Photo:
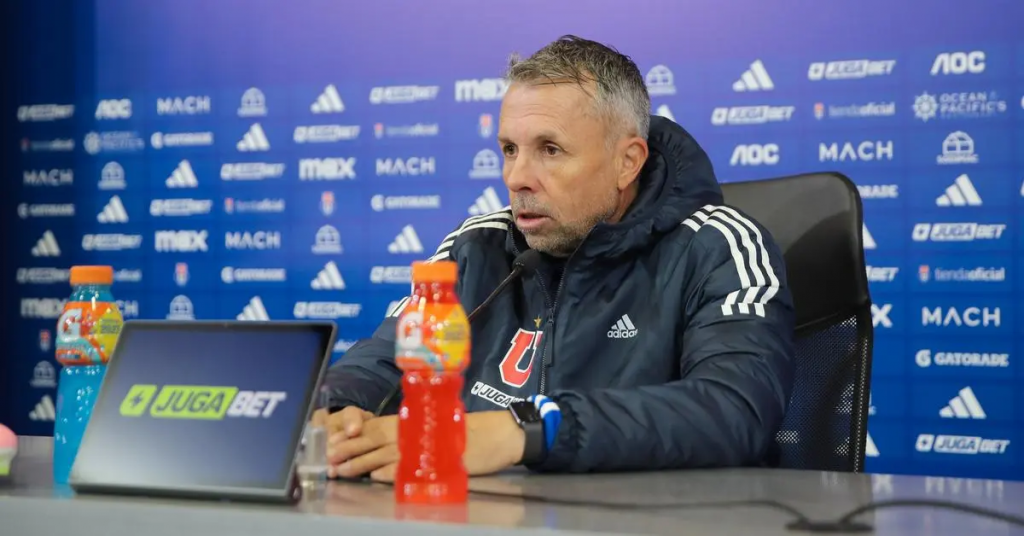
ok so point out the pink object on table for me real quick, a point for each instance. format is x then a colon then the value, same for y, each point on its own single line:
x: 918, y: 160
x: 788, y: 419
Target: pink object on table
x: 8, y: 448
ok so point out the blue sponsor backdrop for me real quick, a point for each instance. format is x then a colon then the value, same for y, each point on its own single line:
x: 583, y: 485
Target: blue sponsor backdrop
x: 261, y: 162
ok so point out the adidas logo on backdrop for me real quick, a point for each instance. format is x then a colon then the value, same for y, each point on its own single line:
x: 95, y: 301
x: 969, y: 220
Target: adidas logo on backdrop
x: 867, y: 239
x: 487, y: 202
x: 963, y: 406
x: 328, y: 279
x: 46, y: 246
x: 664, y: 111
x: 960, y: 194
x: 114, y: 212
x: 870, y: 449
x: 183, y: 176
x: 254, y: 311
x: 406, y: 242
x: 328, y: 102
x: 754, y: 79
x: 254, y: 140
x: 44, y: 410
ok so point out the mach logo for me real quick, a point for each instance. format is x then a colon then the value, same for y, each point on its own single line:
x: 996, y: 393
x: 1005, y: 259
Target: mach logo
x: 515, y: 367
x: 199, y: 402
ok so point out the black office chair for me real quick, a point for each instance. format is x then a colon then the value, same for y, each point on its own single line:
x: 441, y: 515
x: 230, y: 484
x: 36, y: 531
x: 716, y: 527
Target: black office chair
x: 816, y: 219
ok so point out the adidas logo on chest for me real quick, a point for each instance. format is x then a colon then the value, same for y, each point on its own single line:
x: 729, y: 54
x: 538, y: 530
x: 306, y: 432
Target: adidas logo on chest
x: 623, y: 328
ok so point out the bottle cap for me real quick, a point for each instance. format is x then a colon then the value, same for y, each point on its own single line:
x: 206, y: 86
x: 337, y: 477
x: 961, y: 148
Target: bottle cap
x: 439, y: 272
x: 92, y: 275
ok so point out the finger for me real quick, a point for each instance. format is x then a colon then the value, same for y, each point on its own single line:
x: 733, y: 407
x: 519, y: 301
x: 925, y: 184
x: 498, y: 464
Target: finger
x: 385, y: 474
x: 348, y: 421
x: 351, y: 420
x: 383, y: 429
x: 369, y: 462
x: 375, y: 433
x: 334, y: 423
x: 354, y: 420
x: 345, y: 450
x: 319, y: 417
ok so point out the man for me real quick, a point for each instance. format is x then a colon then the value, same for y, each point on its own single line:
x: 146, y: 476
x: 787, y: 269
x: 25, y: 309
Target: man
x: 658, y: 330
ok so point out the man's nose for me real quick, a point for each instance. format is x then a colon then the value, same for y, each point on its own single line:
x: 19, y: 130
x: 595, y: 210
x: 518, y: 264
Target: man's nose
x: 519, y: 174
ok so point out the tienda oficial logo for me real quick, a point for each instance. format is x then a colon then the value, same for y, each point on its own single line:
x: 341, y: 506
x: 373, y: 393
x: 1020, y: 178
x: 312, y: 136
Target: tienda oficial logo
x: 199, y: 402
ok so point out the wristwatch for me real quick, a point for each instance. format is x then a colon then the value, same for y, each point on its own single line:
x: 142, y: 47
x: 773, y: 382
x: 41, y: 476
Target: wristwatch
x: 528, y: 417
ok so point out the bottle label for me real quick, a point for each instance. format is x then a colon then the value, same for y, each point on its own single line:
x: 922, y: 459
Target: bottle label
x: 436, y: 338
x: 87, y: 333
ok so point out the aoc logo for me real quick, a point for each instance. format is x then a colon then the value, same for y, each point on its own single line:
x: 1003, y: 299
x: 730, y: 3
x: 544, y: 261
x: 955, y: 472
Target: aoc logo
x: 199, y: 402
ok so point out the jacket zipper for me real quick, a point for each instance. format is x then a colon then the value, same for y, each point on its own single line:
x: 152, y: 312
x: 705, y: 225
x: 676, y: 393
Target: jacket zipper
x: 550, y: 330
x: 549, y: 327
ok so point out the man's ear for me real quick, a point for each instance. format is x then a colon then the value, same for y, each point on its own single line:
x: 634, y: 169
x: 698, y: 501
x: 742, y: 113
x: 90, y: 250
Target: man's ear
x: 634, y: 152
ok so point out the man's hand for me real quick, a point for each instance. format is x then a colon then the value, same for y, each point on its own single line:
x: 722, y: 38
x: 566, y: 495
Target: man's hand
x: 340, y: 425
x: 493, y: 442
x: 348, y: 421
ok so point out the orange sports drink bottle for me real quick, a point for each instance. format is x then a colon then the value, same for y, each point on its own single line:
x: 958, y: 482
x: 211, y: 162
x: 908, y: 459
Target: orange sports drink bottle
x: 432, y: 350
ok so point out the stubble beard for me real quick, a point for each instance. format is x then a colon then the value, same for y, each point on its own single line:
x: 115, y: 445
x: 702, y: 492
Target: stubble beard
x: 565, y: 238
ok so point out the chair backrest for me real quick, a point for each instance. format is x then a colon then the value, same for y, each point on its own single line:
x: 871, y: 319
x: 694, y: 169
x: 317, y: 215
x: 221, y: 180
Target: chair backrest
x: 817, y: 221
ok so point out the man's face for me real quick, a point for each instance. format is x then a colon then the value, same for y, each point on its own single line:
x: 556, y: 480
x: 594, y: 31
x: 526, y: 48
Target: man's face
x: 559, y: 169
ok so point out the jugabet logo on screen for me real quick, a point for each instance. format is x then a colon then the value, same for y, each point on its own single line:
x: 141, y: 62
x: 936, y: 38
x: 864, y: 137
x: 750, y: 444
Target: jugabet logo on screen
x: 201, y: 402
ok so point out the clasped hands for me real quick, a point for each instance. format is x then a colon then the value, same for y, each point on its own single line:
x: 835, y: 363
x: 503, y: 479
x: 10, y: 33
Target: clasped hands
x: 360, y: 444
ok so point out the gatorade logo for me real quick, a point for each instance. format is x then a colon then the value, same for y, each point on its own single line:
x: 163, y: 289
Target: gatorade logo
x: 199, y: 402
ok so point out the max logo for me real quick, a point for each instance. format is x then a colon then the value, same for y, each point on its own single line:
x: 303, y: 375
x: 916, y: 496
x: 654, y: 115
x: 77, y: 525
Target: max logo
x: 199, y: 402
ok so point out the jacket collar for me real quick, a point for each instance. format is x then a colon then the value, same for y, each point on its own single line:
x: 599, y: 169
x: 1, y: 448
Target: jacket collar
x: 676, y: 180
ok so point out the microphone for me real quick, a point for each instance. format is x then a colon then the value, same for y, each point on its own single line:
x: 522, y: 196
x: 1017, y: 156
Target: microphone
x: 522, y: 265
x: 525, y: 263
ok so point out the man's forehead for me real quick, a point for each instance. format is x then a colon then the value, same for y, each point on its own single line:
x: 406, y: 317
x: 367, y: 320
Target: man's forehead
x: 542, y: 110
x: 558, y: 94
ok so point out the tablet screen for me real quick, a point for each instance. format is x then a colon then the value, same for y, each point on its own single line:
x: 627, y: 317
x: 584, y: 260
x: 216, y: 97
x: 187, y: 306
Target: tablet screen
x: 203, y: 406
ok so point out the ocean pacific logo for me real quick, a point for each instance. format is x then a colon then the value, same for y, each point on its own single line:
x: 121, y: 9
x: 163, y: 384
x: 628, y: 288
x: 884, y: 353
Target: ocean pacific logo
x: 486, y: 125
x: 327, y: 203
x: 199, y: 402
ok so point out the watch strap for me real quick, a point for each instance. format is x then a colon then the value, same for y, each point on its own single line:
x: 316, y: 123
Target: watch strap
x: 528, y: 417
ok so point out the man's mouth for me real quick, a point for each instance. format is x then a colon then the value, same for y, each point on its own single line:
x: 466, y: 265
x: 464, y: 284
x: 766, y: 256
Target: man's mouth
x: 529, y: 221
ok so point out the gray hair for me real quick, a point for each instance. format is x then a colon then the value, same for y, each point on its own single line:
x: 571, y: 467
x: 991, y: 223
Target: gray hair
x: 621, y: 93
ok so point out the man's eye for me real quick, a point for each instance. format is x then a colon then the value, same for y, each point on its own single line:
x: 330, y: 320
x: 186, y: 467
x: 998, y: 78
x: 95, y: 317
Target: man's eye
x: 551, y: 150
x: 509, y: 150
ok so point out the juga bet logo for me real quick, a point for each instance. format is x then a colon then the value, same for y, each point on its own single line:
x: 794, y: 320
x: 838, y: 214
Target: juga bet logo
x: 199, y: 402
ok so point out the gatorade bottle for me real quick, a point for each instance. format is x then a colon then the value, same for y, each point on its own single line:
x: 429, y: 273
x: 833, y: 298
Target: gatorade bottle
x: 432, y: 350
x: 86, y: 334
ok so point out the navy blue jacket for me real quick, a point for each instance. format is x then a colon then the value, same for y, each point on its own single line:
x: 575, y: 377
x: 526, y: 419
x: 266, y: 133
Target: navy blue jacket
x: 667, y: 340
